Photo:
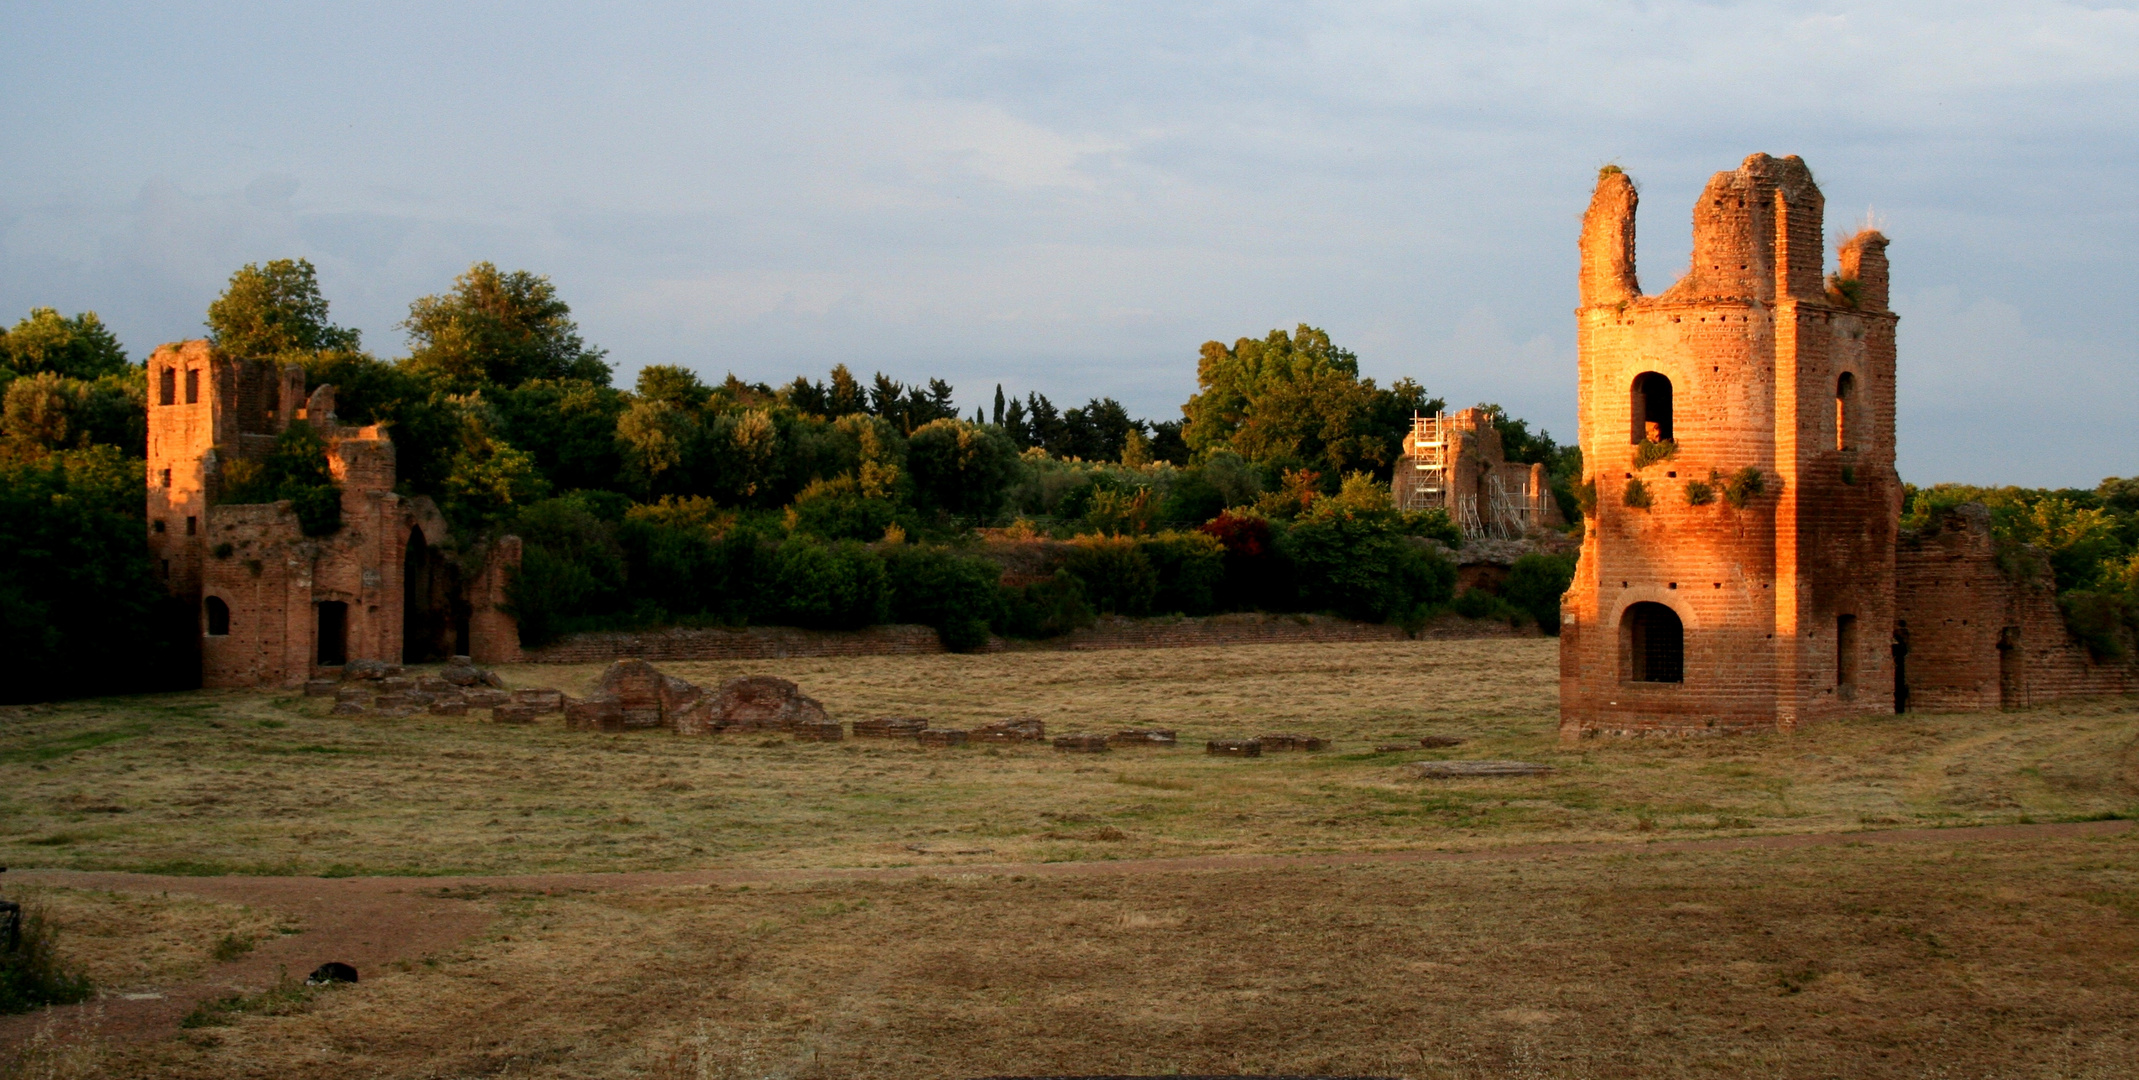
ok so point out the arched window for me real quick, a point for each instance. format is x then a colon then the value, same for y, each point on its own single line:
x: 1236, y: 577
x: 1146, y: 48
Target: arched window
x: 1655, y: 643
x: 1652, y: 407
x: 1845, y: 412
x: 218, y: 617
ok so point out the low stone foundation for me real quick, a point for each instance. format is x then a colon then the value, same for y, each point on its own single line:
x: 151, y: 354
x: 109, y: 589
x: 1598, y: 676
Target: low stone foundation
x: 784, y: 642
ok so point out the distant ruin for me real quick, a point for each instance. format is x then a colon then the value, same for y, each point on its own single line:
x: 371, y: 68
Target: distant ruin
x: 1455, y: 463
x: 1742, y: 564
x: 273, y: 606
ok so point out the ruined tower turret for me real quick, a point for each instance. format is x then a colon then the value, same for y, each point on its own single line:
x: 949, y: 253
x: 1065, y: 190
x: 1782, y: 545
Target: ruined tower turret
x: 1741, y: 504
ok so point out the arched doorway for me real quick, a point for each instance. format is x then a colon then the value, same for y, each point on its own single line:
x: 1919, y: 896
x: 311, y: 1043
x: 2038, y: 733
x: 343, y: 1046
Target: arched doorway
x: 1654, y: 641
x: 218, y: 616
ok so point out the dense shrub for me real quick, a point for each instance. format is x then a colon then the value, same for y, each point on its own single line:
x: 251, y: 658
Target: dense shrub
x: 840, y: 586
x: 1116, y: 576
x: 1045, y: 609
x: 965, y: 470
x: 836, y: 509
x: 81, y: 608
x: 1353, y: 557
x: 1191, y: 570
x: 958, y: 595
x: 1535, y: 584
x: 1257, y: 574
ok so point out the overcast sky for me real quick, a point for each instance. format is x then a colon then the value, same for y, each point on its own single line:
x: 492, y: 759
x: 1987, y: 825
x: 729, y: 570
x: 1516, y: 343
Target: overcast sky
x: 1072, y: 197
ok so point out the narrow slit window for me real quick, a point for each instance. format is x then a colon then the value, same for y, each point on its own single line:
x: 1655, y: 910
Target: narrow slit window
x: 1845, y: 412
x: 193, y: 386
x: 167, y: 387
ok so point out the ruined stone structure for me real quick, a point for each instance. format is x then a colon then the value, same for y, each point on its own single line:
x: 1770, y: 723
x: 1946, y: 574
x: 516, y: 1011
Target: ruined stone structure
x: 1742, y: 564
x: 1738, y: 569
x: 276, y: 607
x: 1455, y: 463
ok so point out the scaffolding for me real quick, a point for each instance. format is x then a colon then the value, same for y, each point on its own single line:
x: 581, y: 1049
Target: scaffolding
x: 1429, y: 464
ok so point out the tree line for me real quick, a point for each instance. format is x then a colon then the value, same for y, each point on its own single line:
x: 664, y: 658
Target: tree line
x: 828, y: 501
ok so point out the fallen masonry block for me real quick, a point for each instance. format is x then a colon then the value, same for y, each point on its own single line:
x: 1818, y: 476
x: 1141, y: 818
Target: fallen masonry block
x: 358, y: 694
x: 1082, y: 744
x: 825, y: 732
x: 396, y: 684
x: 757, y: 703
x: 420, y: 697
x: 1435, y: 742
x: 595, y: 714
x: 383, y: 702
x: 460, y: 671
x: 543, y: 699
x: 941, y: 737
x: 368, y: 670
x: 1144, y: 737
x: 487, y: 698
x: 321, y: 687
x: 1292, y: 742
x: 514, y: 714
x: 432, y: 684
x: 1234, y: 747
x: 889, y: 727
x: 449, y: 706
x: 1015, y: 729
x: 1446, y: 770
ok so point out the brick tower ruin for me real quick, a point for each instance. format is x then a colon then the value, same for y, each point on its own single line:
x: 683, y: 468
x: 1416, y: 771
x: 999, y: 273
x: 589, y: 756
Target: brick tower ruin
x: 1738, y: 561
x: 273, y: 606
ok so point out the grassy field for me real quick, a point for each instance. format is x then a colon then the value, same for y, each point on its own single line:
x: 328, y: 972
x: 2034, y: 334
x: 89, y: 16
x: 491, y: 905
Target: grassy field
x: 2007, y: 960
x: 218, y: 782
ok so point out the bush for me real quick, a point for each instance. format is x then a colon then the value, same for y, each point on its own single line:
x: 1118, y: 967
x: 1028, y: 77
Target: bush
x: 836, y: 509
x: 1190, y: 568
x: 2100, y: 620
x: 31, y: 975
x: 81, y: 609
x: 571, y: 572
x: 1535, y: 584
x: 1700, y: 493
x: 1357, y: 562
x: 1257, y: 573
x: 1649, y: 453
x: 1636, y: 494
x: 1116, y: 576
x: 1480, y: 604
x: 1743, y: 487
x: 957, y: 595
x: 1433, y: 525
x: 1045, y: 609
x: 838, y: 586
x: 961, y: 469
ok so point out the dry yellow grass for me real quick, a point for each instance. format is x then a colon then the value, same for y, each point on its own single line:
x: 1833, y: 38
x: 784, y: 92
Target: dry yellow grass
x: 267, y: 782
x: 136, y: 941
x: 2008, y: 960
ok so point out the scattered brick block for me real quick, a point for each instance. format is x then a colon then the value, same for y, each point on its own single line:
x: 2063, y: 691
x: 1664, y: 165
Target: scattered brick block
x: 368, y: 670
x: 460, y: 671
x: 432, y: 684
x: 1234, y: 747
x: 449, y: 706
x: 826, y: 732
x: 1014, y: 729
x: 514, y: 714
x: 487, y: 698
x: 890, y: 727
x: 354, y: 692
x: 321, y: 687
x: 543, y: 699
x: 941, y: 737
x: 1131, y: 737
x: 1082, y: 744
x: 396, y: 684
x: 594, y: 714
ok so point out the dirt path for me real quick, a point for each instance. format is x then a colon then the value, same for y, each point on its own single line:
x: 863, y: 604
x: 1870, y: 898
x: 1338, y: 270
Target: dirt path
x: 373, y: 922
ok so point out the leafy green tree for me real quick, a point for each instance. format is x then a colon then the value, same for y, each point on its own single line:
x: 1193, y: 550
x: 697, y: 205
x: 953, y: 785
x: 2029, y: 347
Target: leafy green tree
x: 1535, y: 584
x: 270, y: 310
x: 48, y: 411
x: 297, y: 470
x: 80, y: 605
x: 838, y: 586
x: 961, y: 468
x: 1116, y: 575
x: 501, y: 328
x: 1297, y: 402
x: 836, y: 509
x: 78, y: 348
x: 487, y: 479
x: 1353, y: 558
x: 957, y: 595
x: 569, y: 425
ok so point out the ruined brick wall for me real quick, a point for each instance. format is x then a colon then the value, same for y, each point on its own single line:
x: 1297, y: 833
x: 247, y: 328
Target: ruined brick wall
x: 1475, y: 457
x: 493, y: 636
x: 257, y: 583
x: 1984, y: 632
x: 1753, y: 349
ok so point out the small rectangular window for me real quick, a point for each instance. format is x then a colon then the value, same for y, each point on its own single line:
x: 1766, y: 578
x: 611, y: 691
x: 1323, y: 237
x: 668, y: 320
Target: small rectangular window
x: 167, y: 478
x: 1845, y: 652
x: 193, y: 386
x: 192, y: 526
x: 168, y: 382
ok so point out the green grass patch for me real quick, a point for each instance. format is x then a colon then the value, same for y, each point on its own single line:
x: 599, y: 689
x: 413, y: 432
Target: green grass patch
x: 60, y: 746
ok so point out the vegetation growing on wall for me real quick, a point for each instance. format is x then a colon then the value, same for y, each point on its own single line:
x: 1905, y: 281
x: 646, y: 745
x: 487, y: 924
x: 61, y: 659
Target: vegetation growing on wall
x: 2089, y: 540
